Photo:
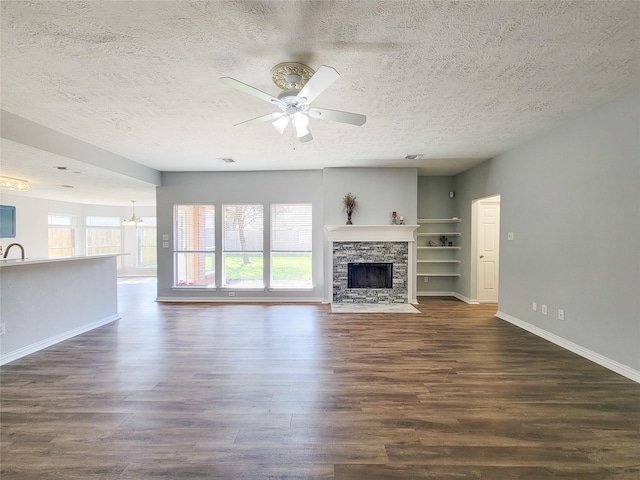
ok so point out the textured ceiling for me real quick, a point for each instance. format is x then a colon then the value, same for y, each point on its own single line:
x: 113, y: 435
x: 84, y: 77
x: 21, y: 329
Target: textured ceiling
x: 458, y: 82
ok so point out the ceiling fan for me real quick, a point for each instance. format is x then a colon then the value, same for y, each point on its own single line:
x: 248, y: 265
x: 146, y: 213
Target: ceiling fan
x: 300, y: 86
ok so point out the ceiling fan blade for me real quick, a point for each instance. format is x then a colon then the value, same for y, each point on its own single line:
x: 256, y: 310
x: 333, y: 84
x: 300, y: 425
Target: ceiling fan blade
x: 318, y: 83
x: 338, y: 116
x: 243, y: 87
x: 265, y: 118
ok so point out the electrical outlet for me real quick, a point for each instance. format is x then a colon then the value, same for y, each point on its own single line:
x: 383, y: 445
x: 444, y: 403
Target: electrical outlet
x: 544, y: 309
x: 2, y: 329
x: 426, y: 279
x: 560, y: 314
x: 232, y: 294
x: 510, y: 236
x: 534, y: 306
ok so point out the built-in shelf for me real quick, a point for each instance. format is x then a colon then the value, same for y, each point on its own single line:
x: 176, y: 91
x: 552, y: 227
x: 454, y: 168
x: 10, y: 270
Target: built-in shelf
x: 437, y: 261
x: 438, y: 234
x: 438, y: 220
x: 438, y: 275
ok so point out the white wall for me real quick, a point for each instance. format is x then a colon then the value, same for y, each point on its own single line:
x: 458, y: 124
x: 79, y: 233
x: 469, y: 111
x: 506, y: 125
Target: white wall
x: 32, y: 226
x: 572, y: 198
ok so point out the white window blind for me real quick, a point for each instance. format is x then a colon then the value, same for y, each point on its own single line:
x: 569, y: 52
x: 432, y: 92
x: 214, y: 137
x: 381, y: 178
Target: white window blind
x: 194, y: 228
x: 194, y: 245
x: 291, y: 245
x: 243, y: 245
x: 291, y: 227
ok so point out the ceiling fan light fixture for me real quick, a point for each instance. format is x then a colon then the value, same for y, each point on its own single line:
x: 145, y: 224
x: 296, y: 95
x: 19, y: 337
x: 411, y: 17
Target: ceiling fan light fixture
x: 301, y: 122
x: 281, y: 123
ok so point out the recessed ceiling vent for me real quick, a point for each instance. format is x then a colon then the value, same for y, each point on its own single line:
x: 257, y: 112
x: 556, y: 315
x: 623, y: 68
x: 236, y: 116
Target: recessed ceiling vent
x: 414, y: 156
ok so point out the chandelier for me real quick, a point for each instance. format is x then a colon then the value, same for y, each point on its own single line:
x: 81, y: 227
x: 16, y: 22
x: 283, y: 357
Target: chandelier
x: 132, y: 220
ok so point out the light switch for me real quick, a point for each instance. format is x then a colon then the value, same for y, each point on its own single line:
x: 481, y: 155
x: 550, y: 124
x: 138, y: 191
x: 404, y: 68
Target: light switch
x: 165, y: 244
x: 165, y: 236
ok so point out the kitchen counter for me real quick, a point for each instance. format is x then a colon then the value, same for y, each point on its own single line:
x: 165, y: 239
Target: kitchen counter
x: 46, y: 301
x: 12, y: 262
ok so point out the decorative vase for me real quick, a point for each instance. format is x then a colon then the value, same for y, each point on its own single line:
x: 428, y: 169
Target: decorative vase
x: 349, y: 217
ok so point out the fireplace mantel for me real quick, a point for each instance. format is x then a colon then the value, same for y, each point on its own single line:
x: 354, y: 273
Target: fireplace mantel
x: 371, y: 233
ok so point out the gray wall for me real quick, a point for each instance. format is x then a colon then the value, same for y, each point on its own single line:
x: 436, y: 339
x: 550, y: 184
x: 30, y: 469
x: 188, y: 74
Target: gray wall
x: 241, y: 187
x: 433, y: 198
x: 572, y: 198
x: 379, y: 192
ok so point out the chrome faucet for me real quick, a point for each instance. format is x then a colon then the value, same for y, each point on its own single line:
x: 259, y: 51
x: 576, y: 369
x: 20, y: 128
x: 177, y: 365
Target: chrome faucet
x: 6, y: 252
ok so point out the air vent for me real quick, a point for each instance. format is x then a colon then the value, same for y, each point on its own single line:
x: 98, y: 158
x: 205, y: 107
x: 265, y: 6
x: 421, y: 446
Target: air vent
x: 228, y: 160
x: 414, y: 156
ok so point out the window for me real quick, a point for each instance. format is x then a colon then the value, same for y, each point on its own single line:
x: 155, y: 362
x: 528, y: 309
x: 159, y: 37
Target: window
x: 291, y: 245
x: 146, y: 243
x: 62, y: 235
x: 243, y: 246
x: 104, y: 235
x: 194, y: 245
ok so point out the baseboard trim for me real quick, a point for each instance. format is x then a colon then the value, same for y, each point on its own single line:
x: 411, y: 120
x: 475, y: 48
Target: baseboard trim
x: 239, y: 300
x: 595, y: 357
x: 436, y: 294
x: 48, y: 342
x: 448, y: 294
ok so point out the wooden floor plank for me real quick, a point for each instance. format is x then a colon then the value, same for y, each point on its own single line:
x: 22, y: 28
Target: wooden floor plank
x: 265, y: 391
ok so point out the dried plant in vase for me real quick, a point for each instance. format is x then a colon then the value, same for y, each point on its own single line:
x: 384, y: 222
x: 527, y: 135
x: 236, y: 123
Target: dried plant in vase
x: 350, y: 205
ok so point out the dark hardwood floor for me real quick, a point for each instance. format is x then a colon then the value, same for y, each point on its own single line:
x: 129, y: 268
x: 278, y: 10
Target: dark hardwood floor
x: 230, y: 391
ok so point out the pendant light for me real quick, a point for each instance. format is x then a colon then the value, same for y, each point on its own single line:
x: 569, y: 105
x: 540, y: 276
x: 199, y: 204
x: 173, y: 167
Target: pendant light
x: 133, y: 220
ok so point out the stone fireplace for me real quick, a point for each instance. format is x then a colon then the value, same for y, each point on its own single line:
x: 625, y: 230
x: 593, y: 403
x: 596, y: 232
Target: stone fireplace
x: 371, y: 244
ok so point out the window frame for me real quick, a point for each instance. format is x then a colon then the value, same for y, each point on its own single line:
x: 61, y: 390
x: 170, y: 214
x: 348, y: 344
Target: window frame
x: 149, y: 224
x: 72, y: 226
x: 209, y: 252
x: 273, y: 250
x: 117, y: 227
x: 227, y: 252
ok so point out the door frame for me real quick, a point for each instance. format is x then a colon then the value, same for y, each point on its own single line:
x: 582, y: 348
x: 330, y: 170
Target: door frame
x: 474, y: 245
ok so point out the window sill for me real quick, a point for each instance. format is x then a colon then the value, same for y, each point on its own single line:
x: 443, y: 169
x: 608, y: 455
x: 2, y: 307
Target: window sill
x: 291, y: 289
x: 194, y: 287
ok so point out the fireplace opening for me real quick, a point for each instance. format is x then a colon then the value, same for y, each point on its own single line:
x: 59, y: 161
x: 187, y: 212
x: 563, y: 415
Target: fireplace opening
x: 370, y: 275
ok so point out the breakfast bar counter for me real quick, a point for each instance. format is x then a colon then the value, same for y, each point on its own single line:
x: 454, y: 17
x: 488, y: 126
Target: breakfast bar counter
x: 46, y: 301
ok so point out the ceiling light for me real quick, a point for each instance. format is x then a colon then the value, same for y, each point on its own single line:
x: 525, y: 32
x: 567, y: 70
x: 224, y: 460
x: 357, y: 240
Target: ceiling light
x: 132, y: 220
x: 414, y: 156
x: 301, y: 122
x: 14, y: 184
x: 281, y: 123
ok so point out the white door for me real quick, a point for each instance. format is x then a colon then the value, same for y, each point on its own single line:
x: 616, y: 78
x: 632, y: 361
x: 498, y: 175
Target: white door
x: 488, y: 249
